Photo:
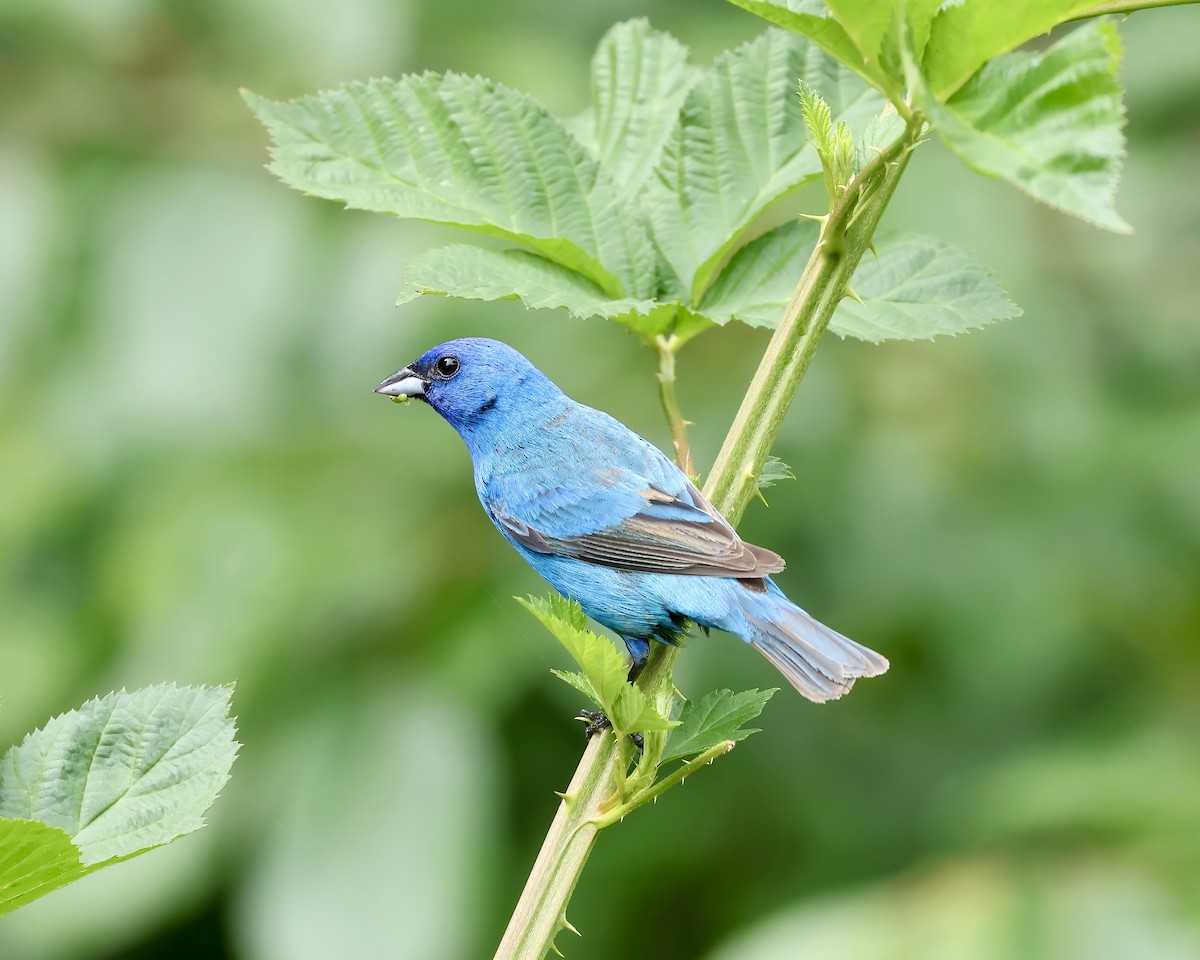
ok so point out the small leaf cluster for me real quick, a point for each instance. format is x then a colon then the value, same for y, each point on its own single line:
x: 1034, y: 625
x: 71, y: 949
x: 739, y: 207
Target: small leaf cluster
x: 703, y: 729
x: 645, y: 208
x: 773, y: 470
x: 1048, y: 123
x: 121, y: 775
x: 602, y: 670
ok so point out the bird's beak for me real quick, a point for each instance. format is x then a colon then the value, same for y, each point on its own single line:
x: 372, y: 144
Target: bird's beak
x: 403, y: 383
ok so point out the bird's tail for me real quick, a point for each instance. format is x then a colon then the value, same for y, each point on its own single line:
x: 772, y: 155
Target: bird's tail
x: 818, y: 661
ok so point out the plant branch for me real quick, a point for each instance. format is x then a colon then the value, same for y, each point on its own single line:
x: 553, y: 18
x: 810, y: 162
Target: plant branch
x: 676, y: 776
x: 541, y: 912
x: 846, y: 234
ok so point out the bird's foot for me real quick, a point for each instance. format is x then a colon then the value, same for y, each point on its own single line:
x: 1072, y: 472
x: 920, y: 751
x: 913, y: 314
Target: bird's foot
x: 597, y: 721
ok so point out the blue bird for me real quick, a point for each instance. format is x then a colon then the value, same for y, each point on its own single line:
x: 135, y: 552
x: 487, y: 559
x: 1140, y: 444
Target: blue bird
x: 613, y: 524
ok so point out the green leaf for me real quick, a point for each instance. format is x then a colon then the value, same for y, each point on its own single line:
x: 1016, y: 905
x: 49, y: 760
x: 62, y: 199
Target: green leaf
x: 467, y: 152
x: 640, y: 78
x: 866, y: 21
x: 739, y: 146
x: 811, y: 20
x: 633, y: 713
x: 964, y: 36
x: 603, y: 668
x: 482, y: 273
x: 919, y: 17
x: 876, y: 136
x: 576, y: 680
x: 1049, y: 123
x: 719, y: 715
x: 773, y: 470
x: 914, y: 288
x: 817, y: 119
x: 759, y: 279
x: 35, y: 859
x: 125, y: 772
x: 918, y: 288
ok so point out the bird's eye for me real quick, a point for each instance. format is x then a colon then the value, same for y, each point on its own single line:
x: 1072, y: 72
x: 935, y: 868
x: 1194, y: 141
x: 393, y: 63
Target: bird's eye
x: 446, y: 367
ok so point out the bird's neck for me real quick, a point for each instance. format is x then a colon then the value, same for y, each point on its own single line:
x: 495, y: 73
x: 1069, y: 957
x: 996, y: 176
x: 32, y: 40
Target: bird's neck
x: 509, y: 426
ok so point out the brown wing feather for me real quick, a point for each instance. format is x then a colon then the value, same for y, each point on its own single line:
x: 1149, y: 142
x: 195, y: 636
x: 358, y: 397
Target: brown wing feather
x: 654, y: 544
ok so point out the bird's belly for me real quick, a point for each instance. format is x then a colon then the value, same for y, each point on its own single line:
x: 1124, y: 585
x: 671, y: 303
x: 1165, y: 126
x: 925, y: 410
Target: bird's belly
x: 631, y: 603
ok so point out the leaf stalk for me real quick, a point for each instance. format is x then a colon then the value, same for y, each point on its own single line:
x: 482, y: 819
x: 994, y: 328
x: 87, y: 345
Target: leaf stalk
x: 667, y: 347
x: 541, y: 912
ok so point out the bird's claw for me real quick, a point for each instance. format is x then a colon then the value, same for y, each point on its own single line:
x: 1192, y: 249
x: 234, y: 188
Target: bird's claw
x: 597, y: 721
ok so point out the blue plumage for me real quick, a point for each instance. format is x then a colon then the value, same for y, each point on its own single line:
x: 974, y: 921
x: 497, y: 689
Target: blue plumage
x: 612, y: 523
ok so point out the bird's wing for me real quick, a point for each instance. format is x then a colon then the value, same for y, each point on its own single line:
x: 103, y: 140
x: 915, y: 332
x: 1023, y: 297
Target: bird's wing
x: 664, y: 532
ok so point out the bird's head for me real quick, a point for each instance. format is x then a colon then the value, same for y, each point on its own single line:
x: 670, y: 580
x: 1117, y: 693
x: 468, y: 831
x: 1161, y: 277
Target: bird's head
x: 471, y: 382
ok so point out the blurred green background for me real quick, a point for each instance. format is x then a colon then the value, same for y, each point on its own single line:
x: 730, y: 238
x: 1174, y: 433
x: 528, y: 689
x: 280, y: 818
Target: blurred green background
x: 196, y: 484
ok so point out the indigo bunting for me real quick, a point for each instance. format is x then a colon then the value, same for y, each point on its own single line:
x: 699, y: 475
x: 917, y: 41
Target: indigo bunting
x: 613, y: 524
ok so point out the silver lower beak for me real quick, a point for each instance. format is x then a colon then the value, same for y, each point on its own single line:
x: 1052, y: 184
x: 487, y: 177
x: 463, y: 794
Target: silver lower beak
x: 402, y: 383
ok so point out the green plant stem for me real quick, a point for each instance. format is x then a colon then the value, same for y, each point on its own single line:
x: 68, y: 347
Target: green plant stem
x: 667, y: 348
x: 541, y: 912
x: 846, y: 234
